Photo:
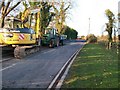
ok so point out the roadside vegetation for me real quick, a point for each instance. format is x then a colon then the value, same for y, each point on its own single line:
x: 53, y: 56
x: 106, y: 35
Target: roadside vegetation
x: 94, y: 67
x: 91, y: 38
x: 70, y: 32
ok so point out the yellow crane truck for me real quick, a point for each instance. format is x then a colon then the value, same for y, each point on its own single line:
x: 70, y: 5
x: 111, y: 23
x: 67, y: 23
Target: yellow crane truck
x: 25, y: 40
x: 28, y: 39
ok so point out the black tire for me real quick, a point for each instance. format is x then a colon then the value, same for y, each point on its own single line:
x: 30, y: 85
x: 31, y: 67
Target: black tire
x: 61, y: 43
x: 57, y: 43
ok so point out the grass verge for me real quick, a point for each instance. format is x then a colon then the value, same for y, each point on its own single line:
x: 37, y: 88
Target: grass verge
x: 94, y: 67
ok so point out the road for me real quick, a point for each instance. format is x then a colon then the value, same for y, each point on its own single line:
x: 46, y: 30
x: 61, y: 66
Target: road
x: 39, y: 69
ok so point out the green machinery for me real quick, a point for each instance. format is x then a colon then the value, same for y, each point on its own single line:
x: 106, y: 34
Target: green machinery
x: 52, y: 38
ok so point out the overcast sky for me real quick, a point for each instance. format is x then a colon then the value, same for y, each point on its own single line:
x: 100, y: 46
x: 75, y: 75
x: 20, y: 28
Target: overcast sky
x: 93, y: 9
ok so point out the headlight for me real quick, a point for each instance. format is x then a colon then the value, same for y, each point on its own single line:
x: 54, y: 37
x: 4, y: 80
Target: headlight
x: 8, y: 35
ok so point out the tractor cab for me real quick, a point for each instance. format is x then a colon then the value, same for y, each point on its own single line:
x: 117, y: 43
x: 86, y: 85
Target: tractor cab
x: 51, y: 32
x: 50, y: 37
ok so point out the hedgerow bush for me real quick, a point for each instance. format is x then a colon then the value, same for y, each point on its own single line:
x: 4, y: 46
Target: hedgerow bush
x: 91, y: 38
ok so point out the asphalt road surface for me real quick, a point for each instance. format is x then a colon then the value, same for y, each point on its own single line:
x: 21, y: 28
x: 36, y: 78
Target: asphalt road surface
x: 39, y: 69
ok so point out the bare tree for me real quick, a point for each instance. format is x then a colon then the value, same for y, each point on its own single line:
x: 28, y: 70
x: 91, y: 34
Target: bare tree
x: 6, y: 9
x: 60, y: 14
x: 109, y: 25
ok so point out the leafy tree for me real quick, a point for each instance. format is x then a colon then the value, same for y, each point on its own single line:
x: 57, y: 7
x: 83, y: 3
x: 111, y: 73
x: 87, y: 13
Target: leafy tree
x: 45, y: 14
x: 34, y: 4
x: 109, y: 25
x: 70, y: 32
x: 6, y: 9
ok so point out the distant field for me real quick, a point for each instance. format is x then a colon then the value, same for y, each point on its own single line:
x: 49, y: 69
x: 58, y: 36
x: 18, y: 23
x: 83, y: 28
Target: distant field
x: 94, y: 67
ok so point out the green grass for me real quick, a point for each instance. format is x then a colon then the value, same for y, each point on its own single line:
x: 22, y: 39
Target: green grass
x: 94, y: 67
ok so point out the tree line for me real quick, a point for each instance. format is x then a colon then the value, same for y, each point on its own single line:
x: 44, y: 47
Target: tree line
x: 70, y: 32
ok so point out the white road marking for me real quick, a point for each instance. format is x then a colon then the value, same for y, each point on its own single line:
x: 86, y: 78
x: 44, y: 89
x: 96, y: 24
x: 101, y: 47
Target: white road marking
x: 17, y: 63
x: 7, y: 67
x: 65, y: 73
x: 5, y: 60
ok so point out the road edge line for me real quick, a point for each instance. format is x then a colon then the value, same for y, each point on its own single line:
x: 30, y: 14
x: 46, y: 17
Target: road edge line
x: 7, y: 59
x: 60, y: 83
x: 58, y: 74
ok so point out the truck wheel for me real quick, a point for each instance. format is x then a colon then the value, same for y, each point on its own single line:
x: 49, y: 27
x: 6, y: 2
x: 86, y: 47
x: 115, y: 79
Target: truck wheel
x: 61, y: 43
x: 58, y: 43
x: 51, y: 45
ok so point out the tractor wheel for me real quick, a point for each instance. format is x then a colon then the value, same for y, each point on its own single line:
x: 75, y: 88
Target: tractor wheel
x: 61, y: 43
x: 57, y: 43
x: 51, y: 45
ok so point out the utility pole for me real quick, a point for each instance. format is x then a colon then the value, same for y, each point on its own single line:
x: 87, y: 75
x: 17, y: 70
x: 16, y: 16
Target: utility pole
x: 89, y: 27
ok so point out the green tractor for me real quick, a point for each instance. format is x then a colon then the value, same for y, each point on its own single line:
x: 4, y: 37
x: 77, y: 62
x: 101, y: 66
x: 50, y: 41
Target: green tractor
x: 51, y: 38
